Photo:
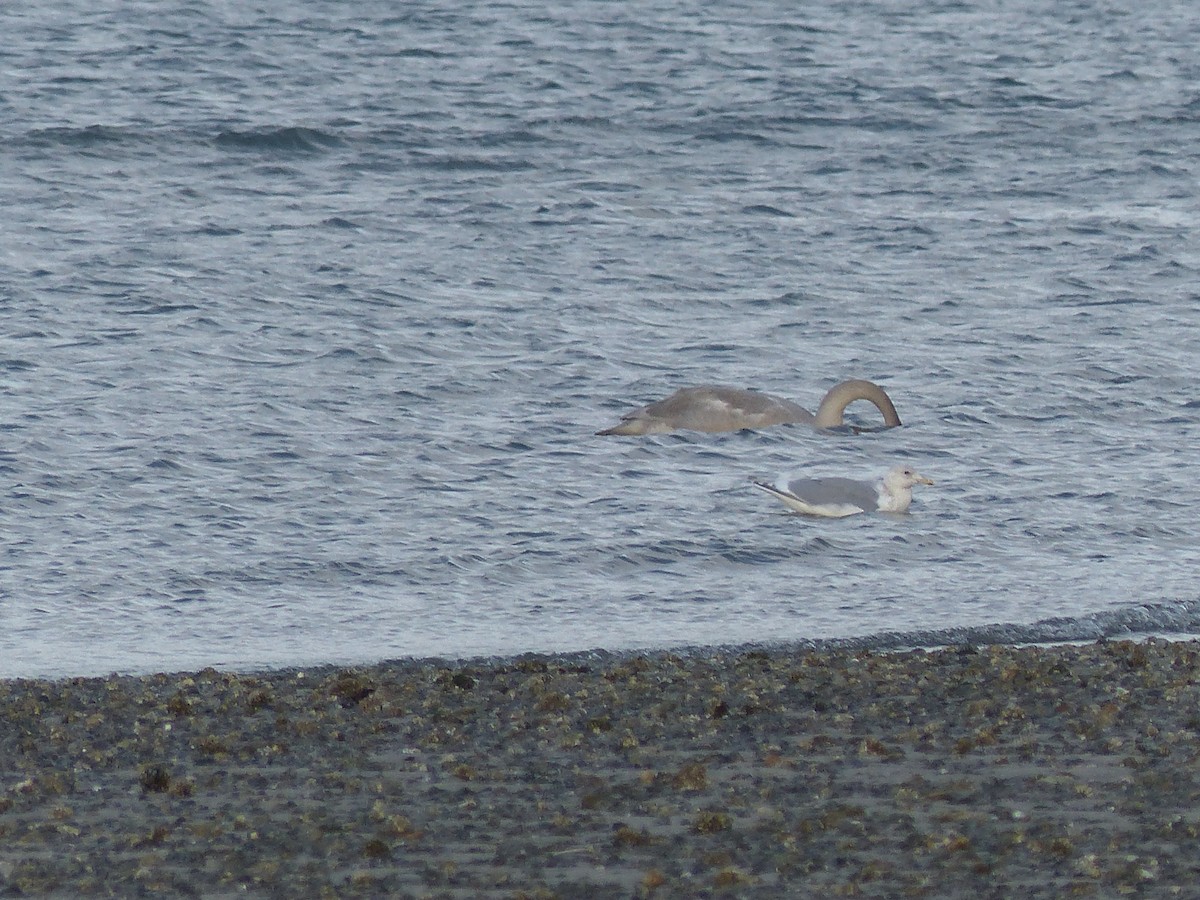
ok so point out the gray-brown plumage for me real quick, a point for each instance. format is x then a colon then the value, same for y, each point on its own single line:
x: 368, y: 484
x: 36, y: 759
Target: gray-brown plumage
x: 719, y: 408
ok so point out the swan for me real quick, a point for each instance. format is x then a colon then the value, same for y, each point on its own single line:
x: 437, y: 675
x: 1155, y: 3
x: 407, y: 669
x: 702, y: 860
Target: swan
x: 837, y: 497
x: 719, y: 408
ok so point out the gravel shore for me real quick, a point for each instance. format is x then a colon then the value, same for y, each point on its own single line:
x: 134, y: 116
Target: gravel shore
x: 1068, y: 771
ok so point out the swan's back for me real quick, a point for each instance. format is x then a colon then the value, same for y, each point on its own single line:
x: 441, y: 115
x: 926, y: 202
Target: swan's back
x: 711, y: 408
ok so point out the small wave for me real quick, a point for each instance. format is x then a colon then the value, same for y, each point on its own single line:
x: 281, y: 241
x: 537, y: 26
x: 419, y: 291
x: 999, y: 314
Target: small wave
x: 160, y: 309
x: 289, y: 140
x: 762, y: 209
x: 420, y: 53
x: 734, y: 136
x: 216, y: 231
x: 454, y: 163
x: 1179, y: 618
x: 88, y: 136
x: 512, y: 136
x: 753, y: 555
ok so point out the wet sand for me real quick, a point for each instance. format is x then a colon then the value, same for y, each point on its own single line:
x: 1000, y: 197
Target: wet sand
x: 999, y: 772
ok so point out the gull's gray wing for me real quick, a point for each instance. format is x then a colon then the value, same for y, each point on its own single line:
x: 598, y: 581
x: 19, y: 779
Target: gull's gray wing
x: 835, y: 492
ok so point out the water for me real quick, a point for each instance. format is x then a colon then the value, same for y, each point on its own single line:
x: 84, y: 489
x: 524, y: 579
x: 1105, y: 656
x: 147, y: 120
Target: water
x: 308, y: 312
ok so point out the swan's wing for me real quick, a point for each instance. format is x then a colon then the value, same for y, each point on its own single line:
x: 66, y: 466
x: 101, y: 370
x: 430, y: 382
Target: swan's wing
x: 711, y: 408
x: 718, y: 408
x: 763, y: 409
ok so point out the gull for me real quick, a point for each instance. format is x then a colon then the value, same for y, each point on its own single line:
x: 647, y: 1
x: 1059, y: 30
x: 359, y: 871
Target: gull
x: 837, y: 497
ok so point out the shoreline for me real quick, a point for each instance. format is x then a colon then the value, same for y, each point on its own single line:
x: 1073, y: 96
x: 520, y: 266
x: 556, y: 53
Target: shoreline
x: 1047, y: 770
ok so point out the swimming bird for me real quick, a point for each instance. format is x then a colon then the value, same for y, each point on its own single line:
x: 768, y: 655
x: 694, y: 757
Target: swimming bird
x: 719, y: 408
x: 837, y: 497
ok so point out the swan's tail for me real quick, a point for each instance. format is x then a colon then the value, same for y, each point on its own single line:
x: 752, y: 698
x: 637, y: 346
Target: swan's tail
x: 626, y: 428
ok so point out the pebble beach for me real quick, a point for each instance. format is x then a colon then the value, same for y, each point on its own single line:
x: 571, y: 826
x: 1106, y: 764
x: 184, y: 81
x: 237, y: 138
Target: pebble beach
x: 993, y: 771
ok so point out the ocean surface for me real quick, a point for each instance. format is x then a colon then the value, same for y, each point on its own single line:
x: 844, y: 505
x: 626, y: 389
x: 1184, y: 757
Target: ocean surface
x: 309, y: 312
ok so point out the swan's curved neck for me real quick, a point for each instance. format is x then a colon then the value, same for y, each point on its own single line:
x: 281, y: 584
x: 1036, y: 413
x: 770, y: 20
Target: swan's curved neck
x: 833, y: 406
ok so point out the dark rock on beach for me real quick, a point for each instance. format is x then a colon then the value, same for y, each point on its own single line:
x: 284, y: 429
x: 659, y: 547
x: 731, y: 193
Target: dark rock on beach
x: 1068, y: 771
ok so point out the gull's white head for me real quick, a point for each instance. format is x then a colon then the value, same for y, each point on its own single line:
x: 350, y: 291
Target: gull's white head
x: 895, y: 491
x: 901, y: 478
